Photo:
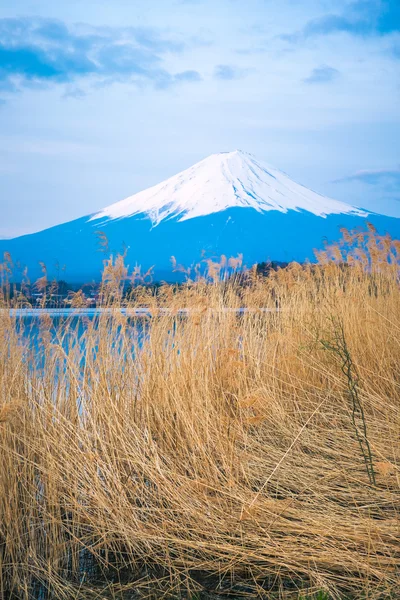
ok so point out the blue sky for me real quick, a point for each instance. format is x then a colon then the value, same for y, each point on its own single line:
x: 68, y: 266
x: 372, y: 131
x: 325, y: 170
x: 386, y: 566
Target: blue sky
x: 101, y: 99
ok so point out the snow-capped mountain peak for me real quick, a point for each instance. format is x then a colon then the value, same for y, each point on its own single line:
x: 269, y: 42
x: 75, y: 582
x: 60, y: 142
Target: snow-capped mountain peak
x: 221, y: 181
x: 244, y: 207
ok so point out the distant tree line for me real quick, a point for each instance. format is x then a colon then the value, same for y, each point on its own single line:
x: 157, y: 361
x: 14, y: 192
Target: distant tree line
x: 265, y: 268
x: 60, y: 293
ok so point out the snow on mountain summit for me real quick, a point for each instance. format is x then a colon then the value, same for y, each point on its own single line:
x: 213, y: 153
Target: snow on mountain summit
x: 221, y: 181
x: 244, y: 207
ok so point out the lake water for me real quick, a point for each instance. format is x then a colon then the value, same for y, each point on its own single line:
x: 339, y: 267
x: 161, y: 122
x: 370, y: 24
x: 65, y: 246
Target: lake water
x: 96, y: 312
x: 67, y: 327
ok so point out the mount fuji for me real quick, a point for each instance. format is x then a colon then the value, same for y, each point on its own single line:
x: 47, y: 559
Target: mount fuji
x: 229, y: 203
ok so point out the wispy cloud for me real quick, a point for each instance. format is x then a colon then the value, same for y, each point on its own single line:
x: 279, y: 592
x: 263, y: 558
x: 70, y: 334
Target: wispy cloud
x: 36, y: 50
x: 323, y: 74
x: 362, y: 18
x: 74, y: 92
x: 374, y: 176
x: 229, y: 72
x: 188, y: 76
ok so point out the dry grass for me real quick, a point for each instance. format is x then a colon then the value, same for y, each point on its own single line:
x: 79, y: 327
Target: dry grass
x: 213, y: 450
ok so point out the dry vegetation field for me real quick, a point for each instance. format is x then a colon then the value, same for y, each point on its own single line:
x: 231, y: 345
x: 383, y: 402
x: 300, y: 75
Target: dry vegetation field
x: 255, y: 455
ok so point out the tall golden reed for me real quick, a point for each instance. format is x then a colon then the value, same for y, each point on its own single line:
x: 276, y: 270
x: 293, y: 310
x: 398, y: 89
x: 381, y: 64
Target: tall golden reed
x: 215, y: 450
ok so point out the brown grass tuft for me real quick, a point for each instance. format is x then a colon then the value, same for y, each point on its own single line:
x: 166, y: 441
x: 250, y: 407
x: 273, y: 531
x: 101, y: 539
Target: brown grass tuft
x: 208, y: 451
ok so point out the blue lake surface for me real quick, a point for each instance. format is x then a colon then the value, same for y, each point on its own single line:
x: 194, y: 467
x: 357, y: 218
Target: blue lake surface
x: 67, y: 327
x: 81, y: 312
x: 65, y: 313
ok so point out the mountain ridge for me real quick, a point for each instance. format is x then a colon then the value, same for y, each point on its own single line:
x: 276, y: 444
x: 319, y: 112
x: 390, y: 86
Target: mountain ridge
x: 220, y: 181
x: 271, y: 223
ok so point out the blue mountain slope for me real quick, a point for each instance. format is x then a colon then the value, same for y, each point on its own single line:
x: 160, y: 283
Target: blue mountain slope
x: 229, y: 203
x: 258, y: 236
